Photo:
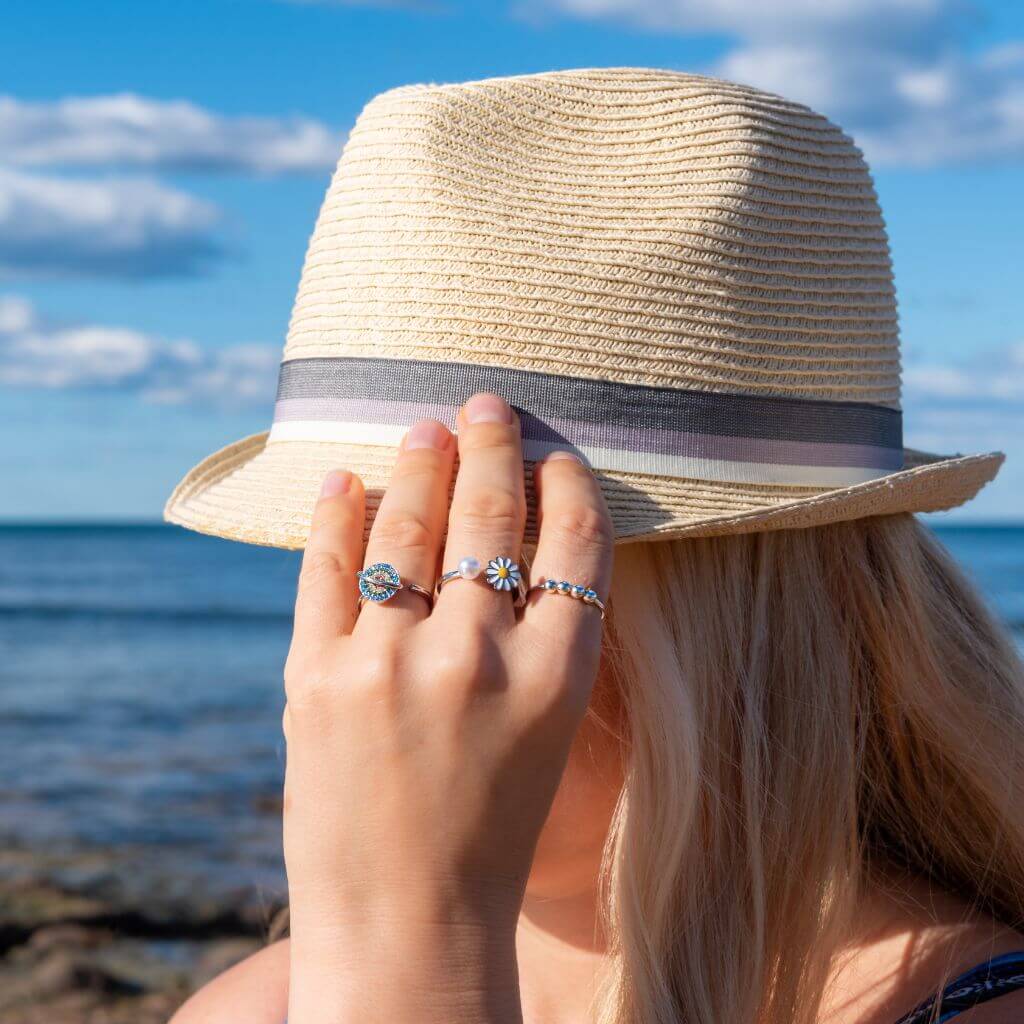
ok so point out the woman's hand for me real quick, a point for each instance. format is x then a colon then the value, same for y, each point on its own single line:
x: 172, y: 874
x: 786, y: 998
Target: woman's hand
x: 425, y: 747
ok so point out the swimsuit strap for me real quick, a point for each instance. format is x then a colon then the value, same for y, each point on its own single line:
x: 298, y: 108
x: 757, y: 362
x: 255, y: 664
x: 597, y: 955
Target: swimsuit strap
x: 996, y: 977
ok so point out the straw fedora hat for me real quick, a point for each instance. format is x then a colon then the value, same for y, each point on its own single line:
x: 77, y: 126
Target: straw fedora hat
x: 685, y: 280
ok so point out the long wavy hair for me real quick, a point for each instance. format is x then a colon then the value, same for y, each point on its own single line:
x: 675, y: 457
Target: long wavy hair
x: 794, y: 707
x: 798, y: 704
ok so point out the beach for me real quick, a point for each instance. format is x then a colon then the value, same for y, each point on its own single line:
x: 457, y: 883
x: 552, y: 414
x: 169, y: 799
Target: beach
x: 140, y: 708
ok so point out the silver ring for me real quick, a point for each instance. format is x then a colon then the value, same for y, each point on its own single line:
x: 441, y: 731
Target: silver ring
x: 584, y: 594
x: 380, y: 582
x: 501, y: 573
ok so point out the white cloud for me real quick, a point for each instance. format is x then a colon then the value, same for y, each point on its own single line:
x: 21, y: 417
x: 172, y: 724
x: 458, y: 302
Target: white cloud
x: 993, y: 376
x: 898, y: 75
x: 130, y: 227
x: 38, y: 353
x: 122, y: 227
x: 135, y: 131
x: 238, y: 375
x: 974, y: 405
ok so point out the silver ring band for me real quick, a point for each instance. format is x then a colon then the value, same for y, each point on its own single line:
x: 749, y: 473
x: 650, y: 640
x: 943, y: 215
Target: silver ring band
x: 380, y: 582
x: 584, y: 594
x: 501, y: 573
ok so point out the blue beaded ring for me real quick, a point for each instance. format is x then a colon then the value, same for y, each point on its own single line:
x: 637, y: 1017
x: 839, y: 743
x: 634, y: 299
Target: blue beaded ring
x: 584, y: 594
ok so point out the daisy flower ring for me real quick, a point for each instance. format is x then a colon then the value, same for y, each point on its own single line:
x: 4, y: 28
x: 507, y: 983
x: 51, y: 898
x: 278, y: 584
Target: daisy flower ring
x: 501, y: 573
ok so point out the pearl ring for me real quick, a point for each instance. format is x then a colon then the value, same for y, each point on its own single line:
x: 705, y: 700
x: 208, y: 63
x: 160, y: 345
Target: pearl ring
x: 501, y: 573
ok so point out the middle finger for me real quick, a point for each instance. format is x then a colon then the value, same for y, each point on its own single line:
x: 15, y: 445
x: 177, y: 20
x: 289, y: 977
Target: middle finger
x: 488, y: 510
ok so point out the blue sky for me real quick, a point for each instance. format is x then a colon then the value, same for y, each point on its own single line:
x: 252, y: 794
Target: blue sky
x: 161, y: 166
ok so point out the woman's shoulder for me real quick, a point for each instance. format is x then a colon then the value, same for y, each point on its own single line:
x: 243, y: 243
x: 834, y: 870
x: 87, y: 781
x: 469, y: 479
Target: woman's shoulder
x: 907, y: 943
x: 915, y: 939
x: 254, y: 990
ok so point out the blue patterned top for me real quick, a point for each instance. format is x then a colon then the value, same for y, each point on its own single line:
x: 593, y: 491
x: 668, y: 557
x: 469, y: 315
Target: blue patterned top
x: 996, y: 977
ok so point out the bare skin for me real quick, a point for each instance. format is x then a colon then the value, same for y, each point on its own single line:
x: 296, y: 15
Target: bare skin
x: 463, y: 921
x: 908, y: 933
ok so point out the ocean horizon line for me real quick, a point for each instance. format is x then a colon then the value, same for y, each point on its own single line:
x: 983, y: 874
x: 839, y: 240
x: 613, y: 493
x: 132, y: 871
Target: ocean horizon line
x: 932, y: 519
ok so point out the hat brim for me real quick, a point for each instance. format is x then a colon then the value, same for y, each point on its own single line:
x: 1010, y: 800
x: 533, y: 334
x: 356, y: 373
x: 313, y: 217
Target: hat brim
x: 264, y: 493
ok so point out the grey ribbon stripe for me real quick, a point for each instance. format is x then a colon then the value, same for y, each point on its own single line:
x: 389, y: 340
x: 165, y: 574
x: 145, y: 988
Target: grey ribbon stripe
x: 591, y: 435
x: 585, y: 412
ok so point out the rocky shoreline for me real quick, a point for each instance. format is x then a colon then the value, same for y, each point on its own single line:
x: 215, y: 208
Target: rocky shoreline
x: 111, y: 937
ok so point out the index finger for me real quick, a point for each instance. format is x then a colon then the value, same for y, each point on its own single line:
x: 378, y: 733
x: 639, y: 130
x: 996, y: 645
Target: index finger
x: 326, y: 602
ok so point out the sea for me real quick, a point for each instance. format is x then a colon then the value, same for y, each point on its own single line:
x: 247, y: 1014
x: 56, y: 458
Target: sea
x: 141, y: 689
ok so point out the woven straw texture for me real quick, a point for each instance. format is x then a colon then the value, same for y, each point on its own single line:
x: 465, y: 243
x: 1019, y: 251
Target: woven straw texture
x: 643, y: 226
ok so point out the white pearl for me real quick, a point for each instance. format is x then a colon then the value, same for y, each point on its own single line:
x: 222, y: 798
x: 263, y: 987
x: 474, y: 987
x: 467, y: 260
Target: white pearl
x: 469, y: 568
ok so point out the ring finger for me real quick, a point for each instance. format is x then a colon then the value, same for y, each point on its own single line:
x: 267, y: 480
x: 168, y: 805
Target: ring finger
x: 575, y: 544
x: 409, y: 523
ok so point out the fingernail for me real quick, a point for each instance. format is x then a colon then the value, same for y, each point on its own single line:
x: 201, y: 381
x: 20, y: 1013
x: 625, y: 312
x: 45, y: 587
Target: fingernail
x: 488, y: 408
x: 427, y: 434
x: 337, y: 482
x: 561, y: 453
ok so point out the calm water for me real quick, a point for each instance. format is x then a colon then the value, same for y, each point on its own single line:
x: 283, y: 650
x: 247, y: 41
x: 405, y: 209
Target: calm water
x: 140, y: 687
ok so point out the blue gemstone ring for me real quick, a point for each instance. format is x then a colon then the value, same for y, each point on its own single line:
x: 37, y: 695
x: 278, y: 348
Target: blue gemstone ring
x: 584, y: 594
x: 380, y: 582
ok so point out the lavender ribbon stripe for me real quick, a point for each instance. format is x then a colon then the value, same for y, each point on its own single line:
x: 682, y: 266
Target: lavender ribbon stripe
x: 606, y: 420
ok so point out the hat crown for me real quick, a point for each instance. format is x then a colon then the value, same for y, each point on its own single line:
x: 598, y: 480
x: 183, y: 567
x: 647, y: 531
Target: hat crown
x: 684, y: 281
x: 629, y: 225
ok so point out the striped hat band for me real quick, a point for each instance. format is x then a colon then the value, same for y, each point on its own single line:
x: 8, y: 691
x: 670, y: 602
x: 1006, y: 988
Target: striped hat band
x: 612, y: 425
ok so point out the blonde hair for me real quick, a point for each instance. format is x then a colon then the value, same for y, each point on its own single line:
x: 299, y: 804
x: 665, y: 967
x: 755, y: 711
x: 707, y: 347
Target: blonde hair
x: 798, y: 703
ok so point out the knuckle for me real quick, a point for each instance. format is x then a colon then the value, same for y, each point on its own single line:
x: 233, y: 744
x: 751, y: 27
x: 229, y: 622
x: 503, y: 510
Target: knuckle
x: 292, y: 662
x: 585, y: 527
x: 482, y: 437
x: 413, y: 462
x: 563, y: 704
x: 406, y: 532
x: 492, y: 508
x: 307, y: 690
x: 463, y: 669
x: 379, y: 668
x: 377, y: 679
x: 562, y: 694
x: 316, y: 688
x: 319, y: 568
x: 459, y: 662
x: 334, y: 509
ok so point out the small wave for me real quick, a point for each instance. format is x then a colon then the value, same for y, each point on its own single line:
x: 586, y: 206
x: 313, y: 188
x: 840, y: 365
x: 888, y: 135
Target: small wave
x: 68, y: 612
x: 212, y: 615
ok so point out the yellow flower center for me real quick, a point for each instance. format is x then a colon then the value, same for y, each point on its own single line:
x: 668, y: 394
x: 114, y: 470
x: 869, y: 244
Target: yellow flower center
x: 502, y: 573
